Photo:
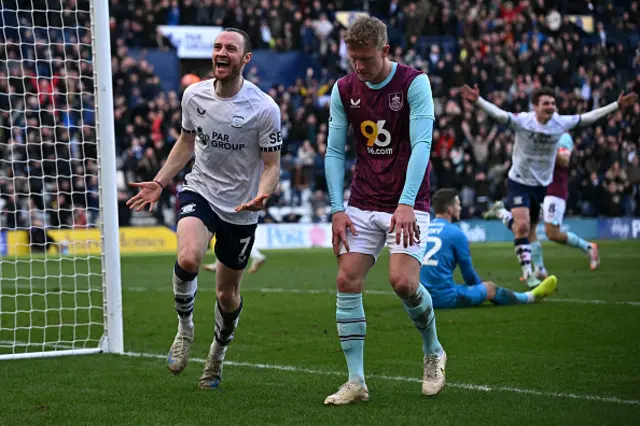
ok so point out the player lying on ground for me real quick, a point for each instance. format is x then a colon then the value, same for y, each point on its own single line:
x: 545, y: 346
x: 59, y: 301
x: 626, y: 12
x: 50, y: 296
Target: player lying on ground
x: 233, y: 129
x: 447, y: 247
x: 257, y: 260
x: 390, y: 109
x: 553, y: 207
x: 534, y: 154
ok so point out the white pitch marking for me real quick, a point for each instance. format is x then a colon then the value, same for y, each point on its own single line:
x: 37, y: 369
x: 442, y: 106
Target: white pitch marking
x: 375, y: 292
x: 467, y: 386
x: 137, y: 289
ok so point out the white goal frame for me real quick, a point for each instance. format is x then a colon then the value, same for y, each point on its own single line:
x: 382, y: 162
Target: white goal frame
x: 112, y: 339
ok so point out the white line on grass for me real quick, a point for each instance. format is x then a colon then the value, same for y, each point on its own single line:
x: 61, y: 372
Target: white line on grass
x: 596, y: 302
x: 375, y: 292
x: 467, y: 386
x: 137, y: 289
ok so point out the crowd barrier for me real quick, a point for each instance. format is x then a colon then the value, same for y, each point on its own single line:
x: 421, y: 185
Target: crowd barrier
x: 135, y: 240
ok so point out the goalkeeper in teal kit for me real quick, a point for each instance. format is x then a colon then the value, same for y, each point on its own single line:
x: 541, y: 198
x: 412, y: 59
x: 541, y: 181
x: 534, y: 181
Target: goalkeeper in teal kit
x: 447, y: 247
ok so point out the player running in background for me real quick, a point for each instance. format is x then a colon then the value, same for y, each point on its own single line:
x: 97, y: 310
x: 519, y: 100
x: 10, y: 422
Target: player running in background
x: 390, y: 109
x: 257, y: 260
x: 447, y: 247
x: 534, y: 155
x: 553, y: 207
x: 233, y: 129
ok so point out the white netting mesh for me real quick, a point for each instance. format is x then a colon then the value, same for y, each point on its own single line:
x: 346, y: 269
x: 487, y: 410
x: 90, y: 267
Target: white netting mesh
x: 50, y: 257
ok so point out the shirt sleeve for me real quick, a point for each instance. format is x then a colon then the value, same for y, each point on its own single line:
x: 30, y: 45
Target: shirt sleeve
x: 515, y: 120
x: 421, y: 118
x: 420, y: 98
x: 269, y: 133
x: 493, y: 111
x: 568, y: 122
x: 335, y: 159
x: 463, y: 255
x: 598, y: 113
x: 187, y: 124
x: 337, y: 115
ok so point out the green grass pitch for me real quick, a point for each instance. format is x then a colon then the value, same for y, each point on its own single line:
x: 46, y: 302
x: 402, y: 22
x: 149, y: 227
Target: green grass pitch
x: 570, y: 360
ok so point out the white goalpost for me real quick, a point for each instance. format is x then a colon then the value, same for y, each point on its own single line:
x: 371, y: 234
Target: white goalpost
x: 60, y: 282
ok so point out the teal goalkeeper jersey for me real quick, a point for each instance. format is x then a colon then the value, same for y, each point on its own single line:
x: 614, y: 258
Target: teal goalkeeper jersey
x: 447, y: 247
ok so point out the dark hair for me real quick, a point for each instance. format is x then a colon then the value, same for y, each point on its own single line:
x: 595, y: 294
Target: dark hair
x: 245, y: 37
x: 443, y: 199
x: 543, y: 91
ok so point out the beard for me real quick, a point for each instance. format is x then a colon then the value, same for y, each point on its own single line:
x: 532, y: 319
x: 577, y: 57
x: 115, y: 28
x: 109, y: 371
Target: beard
x: 227, y: 73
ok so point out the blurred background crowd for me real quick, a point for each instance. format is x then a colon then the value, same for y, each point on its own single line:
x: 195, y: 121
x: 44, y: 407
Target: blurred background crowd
x: 47, y: 123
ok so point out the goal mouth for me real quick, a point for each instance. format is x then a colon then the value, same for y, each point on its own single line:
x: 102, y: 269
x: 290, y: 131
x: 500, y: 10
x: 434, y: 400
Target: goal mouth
x: 58, y: 230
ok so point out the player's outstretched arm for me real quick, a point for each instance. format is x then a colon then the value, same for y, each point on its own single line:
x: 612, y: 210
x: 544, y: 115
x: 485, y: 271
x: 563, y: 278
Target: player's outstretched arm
x: 150, y: 192
x: 268, y: 182
x: 473, y: 95
x: 179, y: 156
x: 623, y: 102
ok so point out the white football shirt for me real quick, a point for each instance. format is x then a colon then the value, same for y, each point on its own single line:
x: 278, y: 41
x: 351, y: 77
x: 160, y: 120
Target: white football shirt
x: 231, y: 134
x: 536, y: 146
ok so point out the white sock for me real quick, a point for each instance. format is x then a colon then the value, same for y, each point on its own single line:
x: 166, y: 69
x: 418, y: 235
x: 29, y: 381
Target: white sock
x: 523, y: 252
x: 531, y: 297
x: 505, y: 216
x: 184, y: 294
x: 218, y: 351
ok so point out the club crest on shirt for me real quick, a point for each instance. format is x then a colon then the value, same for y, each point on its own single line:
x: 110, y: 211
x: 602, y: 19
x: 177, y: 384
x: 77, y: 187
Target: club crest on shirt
x: 237, y: 121
x: 396, y: 101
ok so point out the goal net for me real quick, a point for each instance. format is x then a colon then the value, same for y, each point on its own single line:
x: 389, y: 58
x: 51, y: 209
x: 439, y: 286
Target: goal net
x: 59, y: 258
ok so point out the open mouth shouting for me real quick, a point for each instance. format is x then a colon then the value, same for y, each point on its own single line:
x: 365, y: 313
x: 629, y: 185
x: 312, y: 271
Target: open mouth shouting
x: 222, y: 64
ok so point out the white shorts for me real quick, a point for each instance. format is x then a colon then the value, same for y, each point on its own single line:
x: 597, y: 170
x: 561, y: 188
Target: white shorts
x: 553, y: 208
x: 372, y: 235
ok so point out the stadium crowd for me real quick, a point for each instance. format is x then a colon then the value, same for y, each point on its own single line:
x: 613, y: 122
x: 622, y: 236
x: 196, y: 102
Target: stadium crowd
x: 47, y: 124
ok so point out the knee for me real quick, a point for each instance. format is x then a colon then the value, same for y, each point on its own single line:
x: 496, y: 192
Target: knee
x: 404, y: 285
x: 228, y: 298
x: 189, y: 259
x: 347, y: 282
x: 551, y: 232
x: 491, y: 289
x: 521, y: 228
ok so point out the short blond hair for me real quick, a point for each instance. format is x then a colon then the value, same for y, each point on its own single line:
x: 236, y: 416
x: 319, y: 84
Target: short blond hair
x: 366, y: 30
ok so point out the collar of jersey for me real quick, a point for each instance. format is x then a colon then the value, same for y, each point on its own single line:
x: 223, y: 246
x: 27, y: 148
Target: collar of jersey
x: 386, y: 81
x: 215, y: 95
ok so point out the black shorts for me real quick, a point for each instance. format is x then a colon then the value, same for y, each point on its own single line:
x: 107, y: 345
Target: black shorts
x: 520, y: 195
x: 233, y: 242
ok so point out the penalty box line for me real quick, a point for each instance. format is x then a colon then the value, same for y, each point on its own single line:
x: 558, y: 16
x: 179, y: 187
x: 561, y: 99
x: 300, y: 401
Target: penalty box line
x: 465, y: 386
